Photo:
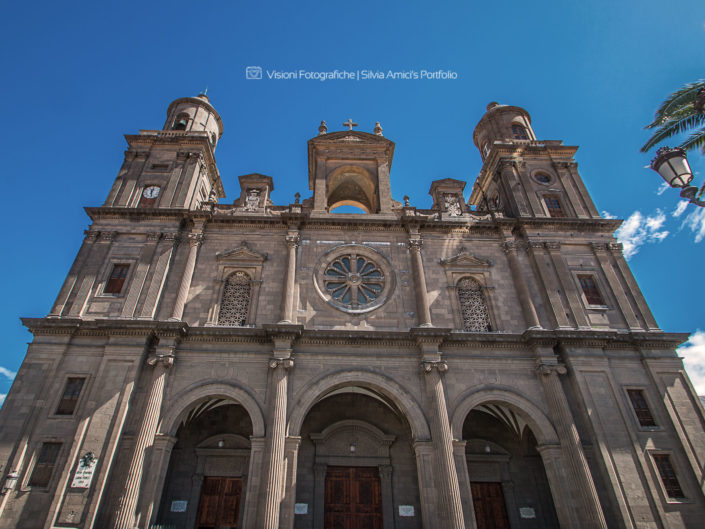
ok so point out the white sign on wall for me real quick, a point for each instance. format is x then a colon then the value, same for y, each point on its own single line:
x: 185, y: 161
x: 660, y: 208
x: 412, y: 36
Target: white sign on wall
x: 301, y: 508
x: 527, y: 512
x: 406, y: 510
x: 179, y: 506
x: 84, y: 472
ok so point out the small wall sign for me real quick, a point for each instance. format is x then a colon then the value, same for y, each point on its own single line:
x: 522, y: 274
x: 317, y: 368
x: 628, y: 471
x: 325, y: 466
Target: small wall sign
x: 406, y: 510
x: 301, y: 508
x: 179, y: 506
x: 84, y: 471
x: 527, y: 512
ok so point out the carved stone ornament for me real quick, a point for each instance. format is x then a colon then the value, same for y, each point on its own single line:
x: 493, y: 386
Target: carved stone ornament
x: 165, y: 360
x: 551, y: 369
x: 465, y: 259
x: 253, y: 199
x: 452, y: 204
x: 243, y: 254
x: 286, y: 363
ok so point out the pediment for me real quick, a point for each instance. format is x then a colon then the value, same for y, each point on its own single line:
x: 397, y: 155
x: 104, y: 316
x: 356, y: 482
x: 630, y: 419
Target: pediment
x: 465, y: 259
x: 348, y: 137
x: 242, y: 253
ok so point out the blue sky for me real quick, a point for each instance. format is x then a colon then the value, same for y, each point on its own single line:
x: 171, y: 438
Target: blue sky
x: 77, y: 76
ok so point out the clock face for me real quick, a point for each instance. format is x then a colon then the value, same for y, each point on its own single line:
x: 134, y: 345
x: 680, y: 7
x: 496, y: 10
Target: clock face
x: 151, y: 192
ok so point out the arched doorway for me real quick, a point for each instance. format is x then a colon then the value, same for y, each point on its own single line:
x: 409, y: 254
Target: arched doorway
x: 356, y: 463
x: 508, y: 482
x: 207, y: 477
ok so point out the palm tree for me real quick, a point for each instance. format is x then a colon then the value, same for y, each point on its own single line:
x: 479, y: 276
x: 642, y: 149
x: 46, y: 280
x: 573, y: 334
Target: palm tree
x: 682, y: 111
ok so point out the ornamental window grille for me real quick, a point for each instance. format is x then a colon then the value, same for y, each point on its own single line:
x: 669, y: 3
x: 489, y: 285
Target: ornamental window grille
x: 519, y: 132
x: 235, y: 304
x: 473, y: 306
x: 668, y: 476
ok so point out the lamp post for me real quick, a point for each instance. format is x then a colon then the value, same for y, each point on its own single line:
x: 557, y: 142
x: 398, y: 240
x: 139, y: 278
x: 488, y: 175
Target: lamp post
x: 673, y: 166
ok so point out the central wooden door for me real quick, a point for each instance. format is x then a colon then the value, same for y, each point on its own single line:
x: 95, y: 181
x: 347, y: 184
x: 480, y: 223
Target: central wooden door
x: 219, y: 507
x: 490, y: 509
x: 353, y: 498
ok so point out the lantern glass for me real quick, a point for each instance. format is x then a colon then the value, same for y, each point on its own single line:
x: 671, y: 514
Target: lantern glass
x: 673, y: 166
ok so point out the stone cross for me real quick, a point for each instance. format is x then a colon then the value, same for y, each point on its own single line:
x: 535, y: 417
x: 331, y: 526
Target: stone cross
x: 349, y: 123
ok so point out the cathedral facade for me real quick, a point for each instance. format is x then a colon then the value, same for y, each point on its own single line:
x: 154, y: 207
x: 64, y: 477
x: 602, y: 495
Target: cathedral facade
x: 486, y: 363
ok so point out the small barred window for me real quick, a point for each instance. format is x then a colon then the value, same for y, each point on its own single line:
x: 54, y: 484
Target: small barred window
x: 235, y: 304
x: 473, y: 306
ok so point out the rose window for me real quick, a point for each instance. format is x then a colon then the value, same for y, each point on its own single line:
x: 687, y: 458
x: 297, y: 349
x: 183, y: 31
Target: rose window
x: 353, y: 280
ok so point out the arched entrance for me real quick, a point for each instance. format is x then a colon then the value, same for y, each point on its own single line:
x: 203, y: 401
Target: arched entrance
x: 506, y: 475
x: 356, y: 463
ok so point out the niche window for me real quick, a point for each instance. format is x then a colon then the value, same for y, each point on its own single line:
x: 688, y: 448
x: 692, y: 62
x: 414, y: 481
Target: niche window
x: 554, y: 206
x: 235, y: 305
x: 181, y: 122
x: 69, y: 399
x: 473, y: 306
x: 44, y: 467
x: 641, y: 408
x: 668, y: 476
x: 117, y: 278
x: 590, y: 290
x: 519, y: 132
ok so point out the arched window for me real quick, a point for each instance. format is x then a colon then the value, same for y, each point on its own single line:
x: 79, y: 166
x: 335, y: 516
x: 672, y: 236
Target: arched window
x: 235, y: 304
x: 519, y: 132
x: 473, y: 306
x: 181, y: 122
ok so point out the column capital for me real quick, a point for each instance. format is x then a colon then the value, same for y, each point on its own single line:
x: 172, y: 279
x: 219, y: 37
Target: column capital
x: 195, y: 239
x: 91, y: 235
x: 598, y: 246
x: 509, y: 246
x: 108, y: 236
x: 285, y: 363
x: 440, y: 365
x: 552, y: 245
x: 293, y: 240
x: 415, y: 243
x: 153, y: 236
x: 551, y: 369
x: 161, y: 359
x: 506, y: 164
x: 616, y: 246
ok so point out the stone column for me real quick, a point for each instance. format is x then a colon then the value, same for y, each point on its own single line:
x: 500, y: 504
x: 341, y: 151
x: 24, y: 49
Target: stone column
x: 127, y: 507
x: 138, y: 279
x: 195, y: 240
x: 254, y: 479
x: 292, y: 243
x: 91, y: 268
x: 275, y: 442
x: 422, y: 306
x: 555, y: 304
x: 154, y: 483
x: 566, y: 280
x: 586, y: 494
x: 448, y: 488
x: 616, y: 251
x: 291, y: 452
x: 527, y: 305
x: 461, y: 466
x: 600, y: 250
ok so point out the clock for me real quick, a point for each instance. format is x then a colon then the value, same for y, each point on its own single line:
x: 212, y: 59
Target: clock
x: 151, y: 192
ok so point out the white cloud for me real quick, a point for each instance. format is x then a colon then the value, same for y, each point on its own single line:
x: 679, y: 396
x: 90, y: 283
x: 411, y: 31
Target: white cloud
x: 693, y: 353
x: 695, y: 220
x: 608, y: 215
x: 680, y: 208
x: 7, y: 373
x: 661, y: 190
x: 638, y: 230
x: 2, y: 398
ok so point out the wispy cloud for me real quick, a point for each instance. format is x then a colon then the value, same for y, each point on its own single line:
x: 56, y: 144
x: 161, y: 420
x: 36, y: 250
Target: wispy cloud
x: 695, y: 221
x: 680, y: 209
x: 693, y: 353
x: 638, y: 230
x: 607, y: 215
x: 2, y: 398
x: 662, y: 189
x: 7, y: 373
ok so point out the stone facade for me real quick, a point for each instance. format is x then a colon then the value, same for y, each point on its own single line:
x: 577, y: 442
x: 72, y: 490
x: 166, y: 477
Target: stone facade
x: 234, y: 364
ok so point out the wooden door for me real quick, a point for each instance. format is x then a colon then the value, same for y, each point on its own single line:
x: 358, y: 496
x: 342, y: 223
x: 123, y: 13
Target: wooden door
x: 353, y: 498
x: 219, y: 507
x: 490, y: 509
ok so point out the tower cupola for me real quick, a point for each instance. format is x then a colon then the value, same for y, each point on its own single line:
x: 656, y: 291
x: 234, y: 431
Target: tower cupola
x: 502, y: 123
x: 195, y: 114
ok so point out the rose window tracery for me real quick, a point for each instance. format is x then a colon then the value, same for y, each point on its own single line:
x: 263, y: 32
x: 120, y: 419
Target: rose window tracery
x: 353, y: 280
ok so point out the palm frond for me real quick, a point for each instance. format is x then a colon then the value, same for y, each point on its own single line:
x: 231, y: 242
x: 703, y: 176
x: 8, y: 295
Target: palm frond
x: 671, y: 128
x: 681, y: 97
x: 694, y: 141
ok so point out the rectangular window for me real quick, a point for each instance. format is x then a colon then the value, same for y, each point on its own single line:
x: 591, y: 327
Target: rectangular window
x: 69, y: 399
x: 553, y: 204
x: 44, y: 467
x: 641, y: 408
x: 116, y: 279
x: 592, y: 294
x: 668, y: 476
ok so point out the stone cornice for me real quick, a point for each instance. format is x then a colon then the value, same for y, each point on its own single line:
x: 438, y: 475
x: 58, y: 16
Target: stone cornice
x: 609, y: 339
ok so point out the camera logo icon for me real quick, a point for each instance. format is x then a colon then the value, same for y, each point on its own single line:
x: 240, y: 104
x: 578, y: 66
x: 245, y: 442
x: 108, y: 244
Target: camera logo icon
x: 253, y: 72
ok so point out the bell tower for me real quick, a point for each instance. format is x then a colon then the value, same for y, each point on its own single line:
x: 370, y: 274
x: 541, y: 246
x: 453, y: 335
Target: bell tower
x: 523, y: 176
x: 173, y: 167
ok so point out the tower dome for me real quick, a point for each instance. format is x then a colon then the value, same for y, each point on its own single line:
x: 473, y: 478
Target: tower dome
x: 502, y: 123
x: 195, y: 114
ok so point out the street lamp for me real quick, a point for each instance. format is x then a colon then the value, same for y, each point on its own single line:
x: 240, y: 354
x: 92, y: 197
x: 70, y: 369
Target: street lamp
x: 674, y: 168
